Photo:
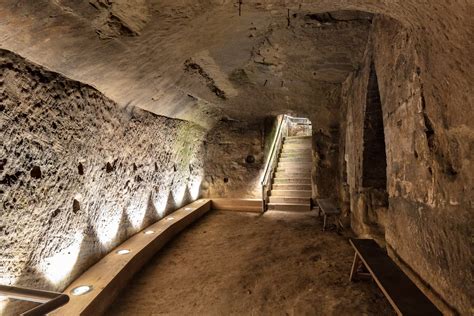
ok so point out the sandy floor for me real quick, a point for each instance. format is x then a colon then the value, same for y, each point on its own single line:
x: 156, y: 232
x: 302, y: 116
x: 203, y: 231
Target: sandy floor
x: 246, y: 264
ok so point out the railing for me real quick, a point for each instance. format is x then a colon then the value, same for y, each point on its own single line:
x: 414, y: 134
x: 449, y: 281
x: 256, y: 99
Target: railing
x: 271, y: 161
x: 49, y: 300
x: 301, y: 125
x: 281, y: 132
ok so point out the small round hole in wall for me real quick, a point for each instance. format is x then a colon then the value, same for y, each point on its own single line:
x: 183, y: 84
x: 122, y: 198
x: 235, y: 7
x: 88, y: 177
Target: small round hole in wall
x: 108, y: 167
x: 55, y: 213
x: 250, y: 159
x: 35, y: 172
x: 3, y: 162
x: 226, y: 180
x: 76, y: 206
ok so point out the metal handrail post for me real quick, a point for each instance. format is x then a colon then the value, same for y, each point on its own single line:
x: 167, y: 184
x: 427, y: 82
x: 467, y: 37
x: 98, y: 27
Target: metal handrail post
x: 49, y: 300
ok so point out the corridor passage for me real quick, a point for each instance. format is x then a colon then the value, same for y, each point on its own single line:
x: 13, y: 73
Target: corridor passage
x: 231, y: 263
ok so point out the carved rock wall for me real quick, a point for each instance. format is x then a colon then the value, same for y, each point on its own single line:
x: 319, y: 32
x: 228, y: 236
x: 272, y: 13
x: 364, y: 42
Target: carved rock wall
x: 429, y: 139
x: 235, y: 157
x: 79, y: 174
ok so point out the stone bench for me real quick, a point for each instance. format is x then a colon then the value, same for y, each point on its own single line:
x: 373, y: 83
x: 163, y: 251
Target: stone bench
x: 404, y: 296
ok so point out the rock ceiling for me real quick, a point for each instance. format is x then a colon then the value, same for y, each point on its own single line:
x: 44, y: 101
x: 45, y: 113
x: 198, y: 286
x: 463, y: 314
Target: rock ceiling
x: 200, y: 60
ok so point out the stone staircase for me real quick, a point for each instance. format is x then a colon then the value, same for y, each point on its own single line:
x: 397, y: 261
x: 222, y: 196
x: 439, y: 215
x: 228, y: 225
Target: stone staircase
x: 291, y: 186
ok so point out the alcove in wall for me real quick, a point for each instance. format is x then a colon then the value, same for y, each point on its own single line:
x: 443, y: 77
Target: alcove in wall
x: 374, y: 166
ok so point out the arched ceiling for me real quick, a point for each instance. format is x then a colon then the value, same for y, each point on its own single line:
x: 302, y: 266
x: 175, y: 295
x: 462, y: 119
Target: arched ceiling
x: 200, y: 60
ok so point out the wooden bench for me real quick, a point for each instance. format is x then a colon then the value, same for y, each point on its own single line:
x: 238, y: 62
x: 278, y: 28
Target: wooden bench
x: 328, y: 208
x: 404, y: 296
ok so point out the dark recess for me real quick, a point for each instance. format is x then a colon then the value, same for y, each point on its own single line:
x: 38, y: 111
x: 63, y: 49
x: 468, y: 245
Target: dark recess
x: 80, y: 169
x: 36, y: 172
x: 375, y: 160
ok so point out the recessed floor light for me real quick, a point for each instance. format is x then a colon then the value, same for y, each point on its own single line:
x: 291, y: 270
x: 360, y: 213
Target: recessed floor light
x: 149, y: 232
x: 188, y: 209
x: 169, y: 218
x: 123, y: 251
x: 81, y: 290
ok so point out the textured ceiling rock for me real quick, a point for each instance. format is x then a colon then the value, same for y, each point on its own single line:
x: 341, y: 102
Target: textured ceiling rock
x: 135, y: 51
x: 206, y: 67
x: 183, y: 59
x: 120, y: 17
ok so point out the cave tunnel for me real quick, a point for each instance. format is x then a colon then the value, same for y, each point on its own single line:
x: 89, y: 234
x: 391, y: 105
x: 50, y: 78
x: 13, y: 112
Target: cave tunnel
x: 236, y: 157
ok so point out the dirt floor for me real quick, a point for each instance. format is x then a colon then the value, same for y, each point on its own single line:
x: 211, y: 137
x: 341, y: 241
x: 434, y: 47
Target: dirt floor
x: 231, y: 263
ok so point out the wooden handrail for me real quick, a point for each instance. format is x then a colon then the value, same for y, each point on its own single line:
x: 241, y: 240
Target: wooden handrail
x: 49, y: 300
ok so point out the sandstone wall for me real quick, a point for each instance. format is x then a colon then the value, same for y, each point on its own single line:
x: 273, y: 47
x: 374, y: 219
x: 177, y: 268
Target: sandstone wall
x: 325, y: 159
x: 78, y: 174
x: 235, y: 157
x: 429, y: 137
x: 236, y: 153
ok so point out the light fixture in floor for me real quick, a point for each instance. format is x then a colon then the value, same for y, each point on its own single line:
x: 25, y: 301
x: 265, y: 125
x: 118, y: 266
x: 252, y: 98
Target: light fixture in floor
x: 81, y: 290
x: 170, y: 218
x: 189, y: 209
x: 123, y: 251
x: 149, y: 232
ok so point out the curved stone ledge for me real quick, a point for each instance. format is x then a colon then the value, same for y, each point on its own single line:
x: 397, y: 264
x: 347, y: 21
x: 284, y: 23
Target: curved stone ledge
x: 111, y: 274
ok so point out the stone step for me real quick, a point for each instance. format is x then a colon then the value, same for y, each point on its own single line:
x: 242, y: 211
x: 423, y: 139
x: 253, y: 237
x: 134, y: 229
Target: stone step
x: 289, y: 200
x: 246, y: 205
x: 297, y: 146
x: 307, y: 155
x: 288, y: 207
x: 287, y: 175
x: 292, y: 193
x: 299, y: 137
x: 295, y: 164
x: 291, y: 186
x: 306, y: 180
x: 306, y: 144
x: 287, y: 169
x: 306, y: 140
x: 296, y: 151
x: 295, y: 159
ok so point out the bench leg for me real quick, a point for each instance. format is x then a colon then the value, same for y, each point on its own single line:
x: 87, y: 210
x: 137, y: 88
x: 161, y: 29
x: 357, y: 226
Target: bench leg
x: 355, y: 266
x: 324, y: 223
x: 339, y: 223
